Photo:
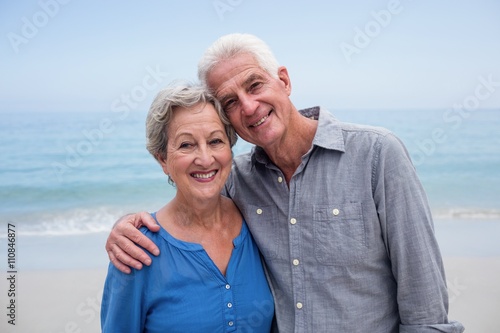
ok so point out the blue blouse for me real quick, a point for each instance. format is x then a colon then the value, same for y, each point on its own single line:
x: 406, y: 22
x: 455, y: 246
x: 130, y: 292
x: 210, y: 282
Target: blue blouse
x: 184, y: 291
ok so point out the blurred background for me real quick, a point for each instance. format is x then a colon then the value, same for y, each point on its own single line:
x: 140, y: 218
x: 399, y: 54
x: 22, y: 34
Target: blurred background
x: 77, y: 79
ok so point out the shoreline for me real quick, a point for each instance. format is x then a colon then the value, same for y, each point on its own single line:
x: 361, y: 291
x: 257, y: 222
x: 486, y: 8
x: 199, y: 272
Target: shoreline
x: 68, y: 300
x: 60, y: 279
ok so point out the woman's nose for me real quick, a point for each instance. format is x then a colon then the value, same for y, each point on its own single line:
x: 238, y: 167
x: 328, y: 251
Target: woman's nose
x: 204, y: 156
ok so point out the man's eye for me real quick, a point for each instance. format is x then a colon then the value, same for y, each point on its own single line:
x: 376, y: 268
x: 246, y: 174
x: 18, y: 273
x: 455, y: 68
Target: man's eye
x: 228, y: 105
x: 255, y: 85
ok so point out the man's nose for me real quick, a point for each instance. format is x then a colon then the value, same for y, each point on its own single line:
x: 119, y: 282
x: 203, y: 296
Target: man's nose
x: 248, y: 105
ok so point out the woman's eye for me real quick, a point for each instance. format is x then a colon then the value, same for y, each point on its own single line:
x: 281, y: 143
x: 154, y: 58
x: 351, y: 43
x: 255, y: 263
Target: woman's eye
x: 185, y: 145
x: 216, y: 141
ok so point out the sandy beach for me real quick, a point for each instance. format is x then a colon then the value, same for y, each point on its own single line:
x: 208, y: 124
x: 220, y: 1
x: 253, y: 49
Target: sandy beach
x: 78, y: 80
x: 57, y: 301
x: 474, y: 290
x: 62, y: 301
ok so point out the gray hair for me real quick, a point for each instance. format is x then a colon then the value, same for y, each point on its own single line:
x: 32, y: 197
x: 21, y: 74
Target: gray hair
x: 232, y: 45
x: 161, y: 112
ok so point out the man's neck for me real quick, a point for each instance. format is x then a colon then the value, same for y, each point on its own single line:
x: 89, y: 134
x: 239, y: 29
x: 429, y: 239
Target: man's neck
x: 297, y: 141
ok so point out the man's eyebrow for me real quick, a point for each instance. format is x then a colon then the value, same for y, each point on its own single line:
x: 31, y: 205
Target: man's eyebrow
x: 222, y: 99
x: 248, y: 81
x: 252, y: 78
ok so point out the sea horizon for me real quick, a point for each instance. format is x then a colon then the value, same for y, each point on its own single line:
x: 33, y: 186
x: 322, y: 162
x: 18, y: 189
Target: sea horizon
x: 74, y: 174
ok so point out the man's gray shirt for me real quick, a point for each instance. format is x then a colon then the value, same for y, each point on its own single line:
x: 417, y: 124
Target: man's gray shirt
x: 349, y: 245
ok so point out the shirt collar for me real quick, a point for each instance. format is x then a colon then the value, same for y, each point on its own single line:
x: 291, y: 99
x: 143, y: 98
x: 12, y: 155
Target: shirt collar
x: 328, y: 134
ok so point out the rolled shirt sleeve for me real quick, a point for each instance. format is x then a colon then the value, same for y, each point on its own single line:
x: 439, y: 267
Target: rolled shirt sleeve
x: 408, y: 232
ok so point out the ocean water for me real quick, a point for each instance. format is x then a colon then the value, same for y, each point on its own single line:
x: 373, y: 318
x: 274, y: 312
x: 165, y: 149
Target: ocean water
x: 66, y: 177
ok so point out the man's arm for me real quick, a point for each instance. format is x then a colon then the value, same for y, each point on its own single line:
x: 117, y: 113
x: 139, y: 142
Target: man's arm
x: 412, y: 247
x: 122, y: 244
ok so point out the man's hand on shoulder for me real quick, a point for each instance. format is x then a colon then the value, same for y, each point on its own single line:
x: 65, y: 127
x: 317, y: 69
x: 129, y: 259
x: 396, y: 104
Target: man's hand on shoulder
x: 123, y: 240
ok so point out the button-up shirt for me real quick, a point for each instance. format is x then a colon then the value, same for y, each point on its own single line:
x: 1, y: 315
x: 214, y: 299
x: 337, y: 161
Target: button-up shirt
x: 184, y: 291
x: 349, y: 243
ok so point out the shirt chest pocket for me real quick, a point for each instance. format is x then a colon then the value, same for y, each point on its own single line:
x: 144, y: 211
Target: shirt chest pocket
x: 339, y: 234
x: 262, y: 221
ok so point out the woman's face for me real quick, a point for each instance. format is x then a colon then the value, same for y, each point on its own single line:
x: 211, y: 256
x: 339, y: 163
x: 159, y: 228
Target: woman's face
x: 199, y: 154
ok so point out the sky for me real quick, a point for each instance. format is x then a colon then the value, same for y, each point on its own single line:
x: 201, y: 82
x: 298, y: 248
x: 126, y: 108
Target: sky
x: 63, y: 55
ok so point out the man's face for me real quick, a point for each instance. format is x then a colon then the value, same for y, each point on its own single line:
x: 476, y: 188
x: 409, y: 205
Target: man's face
x: 256, y: 103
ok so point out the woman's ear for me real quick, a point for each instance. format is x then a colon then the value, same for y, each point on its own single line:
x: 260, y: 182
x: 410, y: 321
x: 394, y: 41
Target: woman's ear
x: 163, y: 162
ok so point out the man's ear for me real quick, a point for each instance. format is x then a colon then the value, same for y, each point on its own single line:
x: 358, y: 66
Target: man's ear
x: 285, y: 79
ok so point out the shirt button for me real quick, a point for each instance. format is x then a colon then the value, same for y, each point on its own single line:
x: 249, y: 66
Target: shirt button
x: 335, y: 212
x: 259, y: 211
x: 295, y: 262
x: 280, y: 180
x: 229, y: 305
x: 299, y: 305
x: 228, y: 286
x: 293, y: 221
x: 230, y: 323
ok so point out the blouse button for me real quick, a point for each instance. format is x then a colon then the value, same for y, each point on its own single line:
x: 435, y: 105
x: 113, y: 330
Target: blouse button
x: 228, y: 286
x: 230, y: 323
x: 229, y: 305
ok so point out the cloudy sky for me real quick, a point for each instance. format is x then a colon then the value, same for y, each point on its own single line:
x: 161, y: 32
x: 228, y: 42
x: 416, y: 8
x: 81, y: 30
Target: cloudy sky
x: 60, y: 55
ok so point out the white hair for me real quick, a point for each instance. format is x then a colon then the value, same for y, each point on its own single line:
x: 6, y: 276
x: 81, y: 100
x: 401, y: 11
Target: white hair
x: 232, y: 45
x: 176, y: 95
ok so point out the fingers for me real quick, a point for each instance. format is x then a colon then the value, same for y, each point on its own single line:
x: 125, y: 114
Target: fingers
x: 123, y: 252
x: 142, y: 219
x: 147, y: 220
x: 142, y: 240
x: 127, y: 253
x: 121, y: 244
x: 121, y: 267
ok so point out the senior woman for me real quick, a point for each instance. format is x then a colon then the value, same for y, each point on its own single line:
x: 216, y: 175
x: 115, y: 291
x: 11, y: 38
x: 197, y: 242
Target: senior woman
x: 208, y: 276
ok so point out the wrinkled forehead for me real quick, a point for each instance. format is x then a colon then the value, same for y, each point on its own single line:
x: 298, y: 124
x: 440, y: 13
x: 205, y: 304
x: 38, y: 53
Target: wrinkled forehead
x: 233, y: 72
x: 197, y: 116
